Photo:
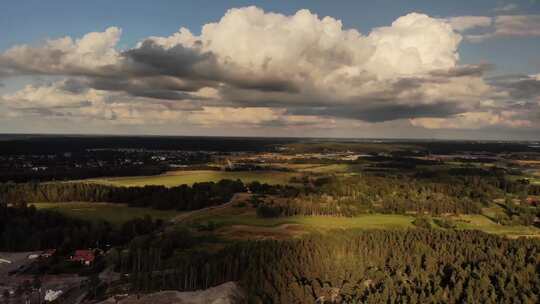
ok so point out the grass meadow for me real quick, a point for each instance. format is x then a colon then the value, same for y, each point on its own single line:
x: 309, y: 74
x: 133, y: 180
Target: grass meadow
x: 176, y: 178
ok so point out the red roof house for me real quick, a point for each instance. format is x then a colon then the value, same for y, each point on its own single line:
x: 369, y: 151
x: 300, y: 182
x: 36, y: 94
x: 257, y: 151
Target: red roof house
x: 533, y: 201
x: 85, y: 257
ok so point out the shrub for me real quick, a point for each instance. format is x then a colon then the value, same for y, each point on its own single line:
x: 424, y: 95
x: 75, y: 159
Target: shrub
x: 422, y: 222
x: 445, y: 223
x: 264, y: 210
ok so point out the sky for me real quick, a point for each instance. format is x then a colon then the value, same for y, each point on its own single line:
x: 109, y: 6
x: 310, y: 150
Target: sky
x: 397, y: 69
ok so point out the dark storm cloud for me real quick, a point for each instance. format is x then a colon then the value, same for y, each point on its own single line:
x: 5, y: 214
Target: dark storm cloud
x: 262, y: 84
x: 143, y: 88
x: 73, y: 85
x: 384, y: 112
x: 522, y: 87
x: 465, y: 70
x: 77, y: 105
x: 393, y: 112
x: 151, y: 59
x: 43, y: 112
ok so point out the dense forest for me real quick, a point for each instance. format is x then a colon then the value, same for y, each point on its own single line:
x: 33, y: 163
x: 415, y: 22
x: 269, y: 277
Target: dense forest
x: 183, y: 197
x: 354, y: 195
x: 414, y: 266
x: 25, y: 229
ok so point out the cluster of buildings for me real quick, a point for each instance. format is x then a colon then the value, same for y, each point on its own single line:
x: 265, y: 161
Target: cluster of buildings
x: 15, y: 274
x: 97, y: 158
x: 83, y: 256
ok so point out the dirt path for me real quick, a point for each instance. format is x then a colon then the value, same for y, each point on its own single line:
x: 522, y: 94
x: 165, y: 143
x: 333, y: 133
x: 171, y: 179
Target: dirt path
x: 184, y: 216
x: 190, y: 214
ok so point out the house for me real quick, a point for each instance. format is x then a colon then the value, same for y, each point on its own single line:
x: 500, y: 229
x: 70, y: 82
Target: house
x: 85, y: 257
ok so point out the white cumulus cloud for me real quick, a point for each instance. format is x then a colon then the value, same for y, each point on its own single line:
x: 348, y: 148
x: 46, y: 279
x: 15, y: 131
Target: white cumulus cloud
x: 258, y: 68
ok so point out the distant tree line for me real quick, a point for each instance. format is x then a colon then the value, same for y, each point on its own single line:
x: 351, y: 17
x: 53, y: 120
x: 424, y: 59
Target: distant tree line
x: 271, y: 189
x: 48, y: 144
x: 70, y: 173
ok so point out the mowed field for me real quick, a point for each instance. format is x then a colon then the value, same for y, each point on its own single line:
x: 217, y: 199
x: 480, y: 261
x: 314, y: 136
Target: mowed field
x: 176, y: 178
x: 113, y: 213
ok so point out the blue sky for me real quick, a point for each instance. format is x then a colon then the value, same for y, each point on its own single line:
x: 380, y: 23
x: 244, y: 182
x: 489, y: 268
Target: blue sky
x: 509, y: 48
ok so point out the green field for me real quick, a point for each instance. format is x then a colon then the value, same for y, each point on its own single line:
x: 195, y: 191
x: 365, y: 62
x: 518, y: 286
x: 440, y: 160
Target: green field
x: 231, y: 216
x: 330, y: 168
x: 176, y: 178
x: 241, y: 224
x: 368, y: 221
x: 483, y: 223
x: 113, y: 213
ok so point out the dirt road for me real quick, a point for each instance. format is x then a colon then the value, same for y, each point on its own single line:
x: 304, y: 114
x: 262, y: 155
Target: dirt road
x: 191, y: 214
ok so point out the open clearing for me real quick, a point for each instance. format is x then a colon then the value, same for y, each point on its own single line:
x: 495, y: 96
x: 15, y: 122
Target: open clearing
x: 248, y: 226
x: 234, y: 222
x: 176, y: 178
x: 113, y: 213
x: 483, y: 223
x: 243, y: 223
x: 368, y: 221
